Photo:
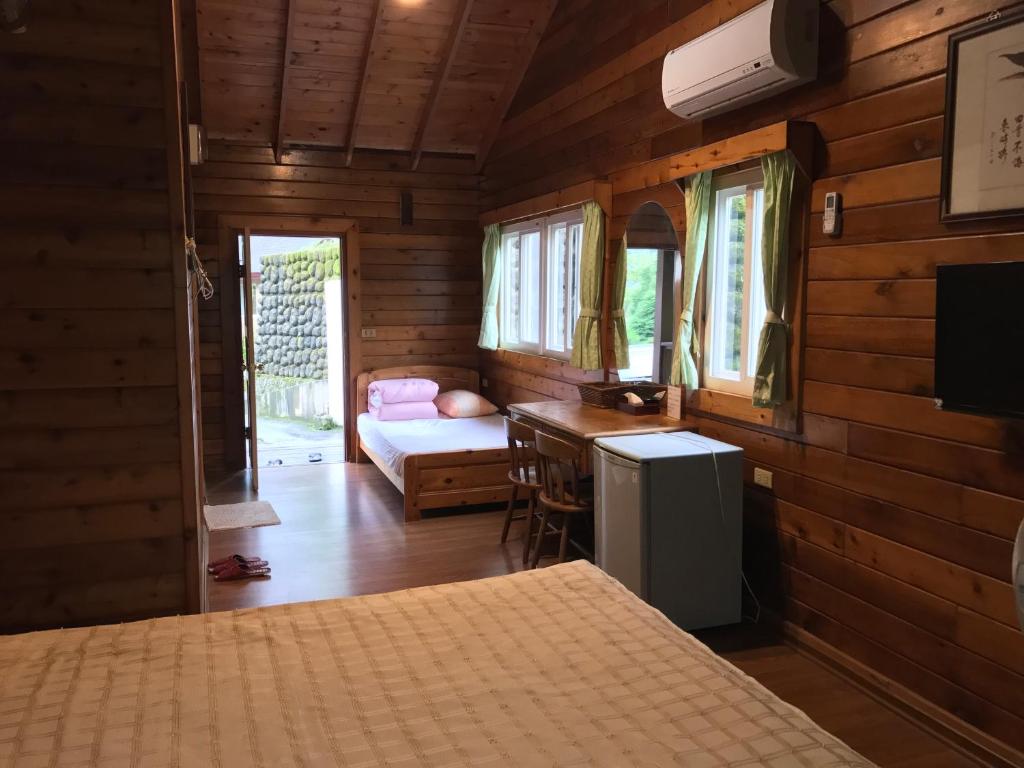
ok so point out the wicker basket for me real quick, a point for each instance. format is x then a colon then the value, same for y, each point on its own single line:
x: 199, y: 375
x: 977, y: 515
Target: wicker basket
x: 607, y: 394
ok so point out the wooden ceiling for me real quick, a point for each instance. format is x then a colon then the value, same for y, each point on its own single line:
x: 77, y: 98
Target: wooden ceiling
x: 409, y: 75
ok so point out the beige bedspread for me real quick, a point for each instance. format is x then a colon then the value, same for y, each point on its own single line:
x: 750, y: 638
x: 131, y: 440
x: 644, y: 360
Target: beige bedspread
x: 560, y: 666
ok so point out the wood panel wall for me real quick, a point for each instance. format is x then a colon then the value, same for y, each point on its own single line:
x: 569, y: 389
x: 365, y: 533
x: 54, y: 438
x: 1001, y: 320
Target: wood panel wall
x: 98, y: 500
x: 420, y: 283
x: 888, y: 533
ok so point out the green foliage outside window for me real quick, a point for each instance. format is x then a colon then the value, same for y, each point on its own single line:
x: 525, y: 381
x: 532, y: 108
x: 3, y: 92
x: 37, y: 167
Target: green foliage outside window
x: 641, y: 294
x: 737, y: 236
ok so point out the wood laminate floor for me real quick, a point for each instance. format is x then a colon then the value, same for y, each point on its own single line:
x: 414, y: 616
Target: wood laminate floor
x: 342, y: 534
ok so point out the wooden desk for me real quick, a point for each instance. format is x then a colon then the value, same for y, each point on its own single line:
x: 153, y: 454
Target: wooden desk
x: 579, y: 423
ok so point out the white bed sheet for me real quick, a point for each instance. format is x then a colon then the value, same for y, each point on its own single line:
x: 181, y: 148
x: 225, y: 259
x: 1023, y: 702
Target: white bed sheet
x: 559, y: 666
x: 392, y: 441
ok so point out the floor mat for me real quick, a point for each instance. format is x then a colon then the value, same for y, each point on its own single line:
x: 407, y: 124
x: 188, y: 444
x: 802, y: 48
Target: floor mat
x: 248, y: 514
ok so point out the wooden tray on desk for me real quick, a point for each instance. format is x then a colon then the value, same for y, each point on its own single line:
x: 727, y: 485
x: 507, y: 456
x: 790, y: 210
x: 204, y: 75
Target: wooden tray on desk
x: 644, y: 409
x: 608, y: 394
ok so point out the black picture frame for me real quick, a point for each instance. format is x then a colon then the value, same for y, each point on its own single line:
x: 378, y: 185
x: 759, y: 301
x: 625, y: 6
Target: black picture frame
x: 995, y: 22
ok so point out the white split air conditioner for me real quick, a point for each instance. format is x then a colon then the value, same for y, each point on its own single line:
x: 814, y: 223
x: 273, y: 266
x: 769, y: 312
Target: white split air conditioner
x: 768, y: 49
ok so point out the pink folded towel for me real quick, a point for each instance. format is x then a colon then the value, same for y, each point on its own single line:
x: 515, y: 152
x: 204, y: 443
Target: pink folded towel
x: 389, y: 391
x: 403, y: 411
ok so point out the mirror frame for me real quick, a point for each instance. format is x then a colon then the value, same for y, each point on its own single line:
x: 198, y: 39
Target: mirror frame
x: 672, y: 198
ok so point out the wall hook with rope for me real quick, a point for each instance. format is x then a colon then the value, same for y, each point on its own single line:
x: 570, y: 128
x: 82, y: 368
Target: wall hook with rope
x: 204, y: 288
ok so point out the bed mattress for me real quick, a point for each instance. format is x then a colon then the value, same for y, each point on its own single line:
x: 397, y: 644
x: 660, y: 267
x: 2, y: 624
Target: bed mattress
x: 392, y: 441
x: 554, y: 667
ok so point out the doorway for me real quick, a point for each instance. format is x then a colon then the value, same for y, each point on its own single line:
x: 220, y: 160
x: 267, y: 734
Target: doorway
x: 293, y: 349
x: 236, y: 234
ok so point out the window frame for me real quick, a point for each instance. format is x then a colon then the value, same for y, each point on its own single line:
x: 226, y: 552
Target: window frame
x: 544, y: 226
x: 523, y: 228
x: 724, y: 187
x: 666, y: 176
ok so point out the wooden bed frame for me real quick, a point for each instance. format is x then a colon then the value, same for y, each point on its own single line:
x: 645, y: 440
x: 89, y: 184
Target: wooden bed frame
x: 440, y: 480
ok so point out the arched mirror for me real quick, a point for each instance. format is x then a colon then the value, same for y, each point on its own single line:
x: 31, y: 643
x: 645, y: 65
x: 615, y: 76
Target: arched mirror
x: 651, y: 306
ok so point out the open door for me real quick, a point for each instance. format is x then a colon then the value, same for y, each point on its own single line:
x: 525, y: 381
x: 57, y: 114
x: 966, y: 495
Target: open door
x: 289, y: 400
x: 294, y: 348
x: 249, y: 366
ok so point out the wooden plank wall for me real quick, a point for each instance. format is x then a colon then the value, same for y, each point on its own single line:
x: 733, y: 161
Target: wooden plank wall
x: 420, y: 283
x: 888, y: 533
x: 91, y: 459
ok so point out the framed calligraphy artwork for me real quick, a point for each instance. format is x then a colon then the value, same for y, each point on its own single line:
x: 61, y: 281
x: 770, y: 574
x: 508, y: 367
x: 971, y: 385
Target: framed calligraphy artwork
x: 983, y: 148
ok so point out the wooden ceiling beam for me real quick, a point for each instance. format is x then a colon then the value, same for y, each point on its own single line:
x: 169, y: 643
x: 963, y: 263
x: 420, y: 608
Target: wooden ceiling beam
x: 286, y: 65
x: 357, y: 108
x: 451, y: 46
x: 523, y: 56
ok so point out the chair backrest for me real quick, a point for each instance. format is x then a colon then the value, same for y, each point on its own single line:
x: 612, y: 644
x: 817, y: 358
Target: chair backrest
x: 558, y: 464
x: 522, y: 457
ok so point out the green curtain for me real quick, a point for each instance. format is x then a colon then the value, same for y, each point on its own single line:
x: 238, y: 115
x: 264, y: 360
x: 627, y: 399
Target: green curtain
x: 491, y: 285
x: 586, y: 341
x: 773, y: 346
x: 620, y: 339
x: 687, y: 346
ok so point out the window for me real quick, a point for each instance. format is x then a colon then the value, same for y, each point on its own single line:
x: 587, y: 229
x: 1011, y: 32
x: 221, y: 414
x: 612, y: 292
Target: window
x: 540, y: 285
x: 735, y: 286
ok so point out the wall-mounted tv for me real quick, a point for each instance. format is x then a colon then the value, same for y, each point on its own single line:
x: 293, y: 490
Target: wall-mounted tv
x: 979, y: 338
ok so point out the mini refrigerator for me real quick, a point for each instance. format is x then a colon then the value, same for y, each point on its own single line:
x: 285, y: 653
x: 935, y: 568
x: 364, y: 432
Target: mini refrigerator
x: 669, y: 523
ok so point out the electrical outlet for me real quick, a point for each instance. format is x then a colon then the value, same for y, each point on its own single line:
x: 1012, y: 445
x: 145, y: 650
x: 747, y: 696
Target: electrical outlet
x: 762, y: 477
x: 369, y: 333
x: 483, y: 382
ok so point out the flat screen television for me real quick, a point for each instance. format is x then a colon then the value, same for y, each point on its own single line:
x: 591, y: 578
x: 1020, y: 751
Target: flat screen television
x: 979, y: 338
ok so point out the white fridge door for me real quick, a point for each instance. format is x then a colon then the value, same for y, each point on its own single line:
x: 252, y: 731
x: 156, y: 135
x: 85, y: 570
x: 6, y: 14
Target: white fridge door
x: 619, y: 524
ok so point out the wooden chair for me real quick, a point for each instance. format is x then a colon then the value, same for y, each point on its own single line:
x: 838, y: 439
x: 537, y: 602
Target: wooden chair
x: 522, y: 472
x: 561, y: 490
